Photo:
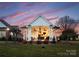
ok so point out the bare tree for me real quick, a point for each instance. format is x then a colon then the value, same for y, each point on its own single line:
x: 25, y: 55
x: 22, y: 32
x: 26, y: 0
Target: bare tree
x: 66, y: 22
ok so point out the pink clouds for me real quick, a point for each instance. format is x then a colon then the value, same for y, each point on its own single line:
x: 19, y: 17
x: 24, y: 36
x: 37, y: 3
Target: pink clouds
x: 17, y: 14
x: 25, y: 20
x: 27, y: 16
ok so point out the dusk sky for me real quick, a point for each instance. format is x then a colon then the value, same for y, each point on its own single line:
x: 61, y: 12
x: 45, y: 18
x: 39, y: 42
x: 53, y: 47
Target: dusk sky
x: 24, y: 12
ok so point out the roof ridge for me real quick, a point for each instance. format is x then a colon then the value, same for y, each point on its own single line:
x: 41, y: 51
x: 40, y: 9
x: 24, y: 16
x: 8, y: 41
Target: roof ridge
x: 39, y: 17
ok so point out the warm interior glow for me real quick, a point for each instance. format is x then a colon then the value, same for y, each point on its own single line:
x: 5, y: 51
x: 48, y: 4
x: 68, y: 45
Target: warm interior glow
x: 42, y: 31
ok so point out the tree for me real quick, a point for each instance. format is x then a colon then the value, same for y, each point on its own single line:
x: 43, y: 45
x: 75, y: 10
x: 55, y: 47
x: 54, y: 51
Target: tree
x: 68, y: 33
x: 66, y: 22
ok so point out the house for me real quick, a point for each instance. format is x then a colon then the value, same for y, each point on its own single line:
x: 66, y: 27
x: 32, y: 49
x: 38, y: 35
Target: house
x: 39, y: 29
x: 9, y: 32
x: 4, y: 28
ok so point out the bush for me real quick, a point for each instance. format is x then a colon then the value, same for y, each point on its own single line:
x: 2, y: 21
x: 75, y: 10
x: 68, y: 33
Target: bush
x: 68, y: 34
x: 3, y: 39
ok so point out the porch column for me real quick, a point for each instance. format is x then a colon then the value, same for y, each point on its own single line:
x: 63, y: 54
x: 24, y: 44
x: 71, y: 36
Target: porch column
x: 50, y: 33
x: 26, y: 34
x: 29, y: 33
x: 78, y: 36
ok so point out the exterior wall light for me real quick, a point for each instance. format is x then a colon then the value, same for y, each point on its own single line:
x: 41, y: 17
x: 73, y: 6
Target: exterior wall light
x: 8, y: 29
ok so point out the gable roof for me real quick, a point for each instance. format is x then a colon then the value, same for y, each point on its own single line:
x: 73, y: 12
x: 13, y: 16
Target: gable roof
x: 40, y: 21
x: 3, y: 24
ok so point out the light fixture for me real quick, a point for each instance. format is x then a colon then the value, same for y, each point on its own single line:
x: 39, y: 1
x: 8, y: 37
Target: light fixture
x: 7, y: 29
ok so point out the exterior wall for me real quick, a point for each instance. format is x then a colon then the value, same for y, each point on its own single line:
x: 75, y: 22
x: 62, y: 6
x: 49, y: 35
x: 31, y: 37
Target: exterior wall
x: 24, y: 32
x: 2, y: 34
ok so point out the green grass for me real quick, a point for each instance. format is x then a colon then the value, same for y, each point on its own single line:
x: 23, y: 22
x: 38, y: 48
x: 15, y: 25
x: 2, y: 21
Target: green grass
x: 35, y: 50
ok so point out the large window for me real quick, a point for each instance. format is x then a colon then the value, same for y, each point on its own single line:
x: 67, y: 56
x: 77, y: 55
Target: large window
x: 41, y: 32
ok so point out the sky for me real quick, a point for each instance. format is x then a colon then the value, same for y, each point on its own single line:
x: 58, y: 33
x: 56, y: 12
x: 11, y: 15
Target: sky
x: 22, y: 13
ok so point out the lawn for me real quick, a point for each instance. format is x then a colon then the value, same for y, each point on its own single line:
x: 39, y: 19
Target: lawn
x: 36, y: 50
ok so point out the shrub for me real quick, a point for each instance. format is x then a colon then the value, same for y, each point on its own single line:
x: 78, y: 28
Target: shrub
x: 2, y: 39
x: 68, y: 34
